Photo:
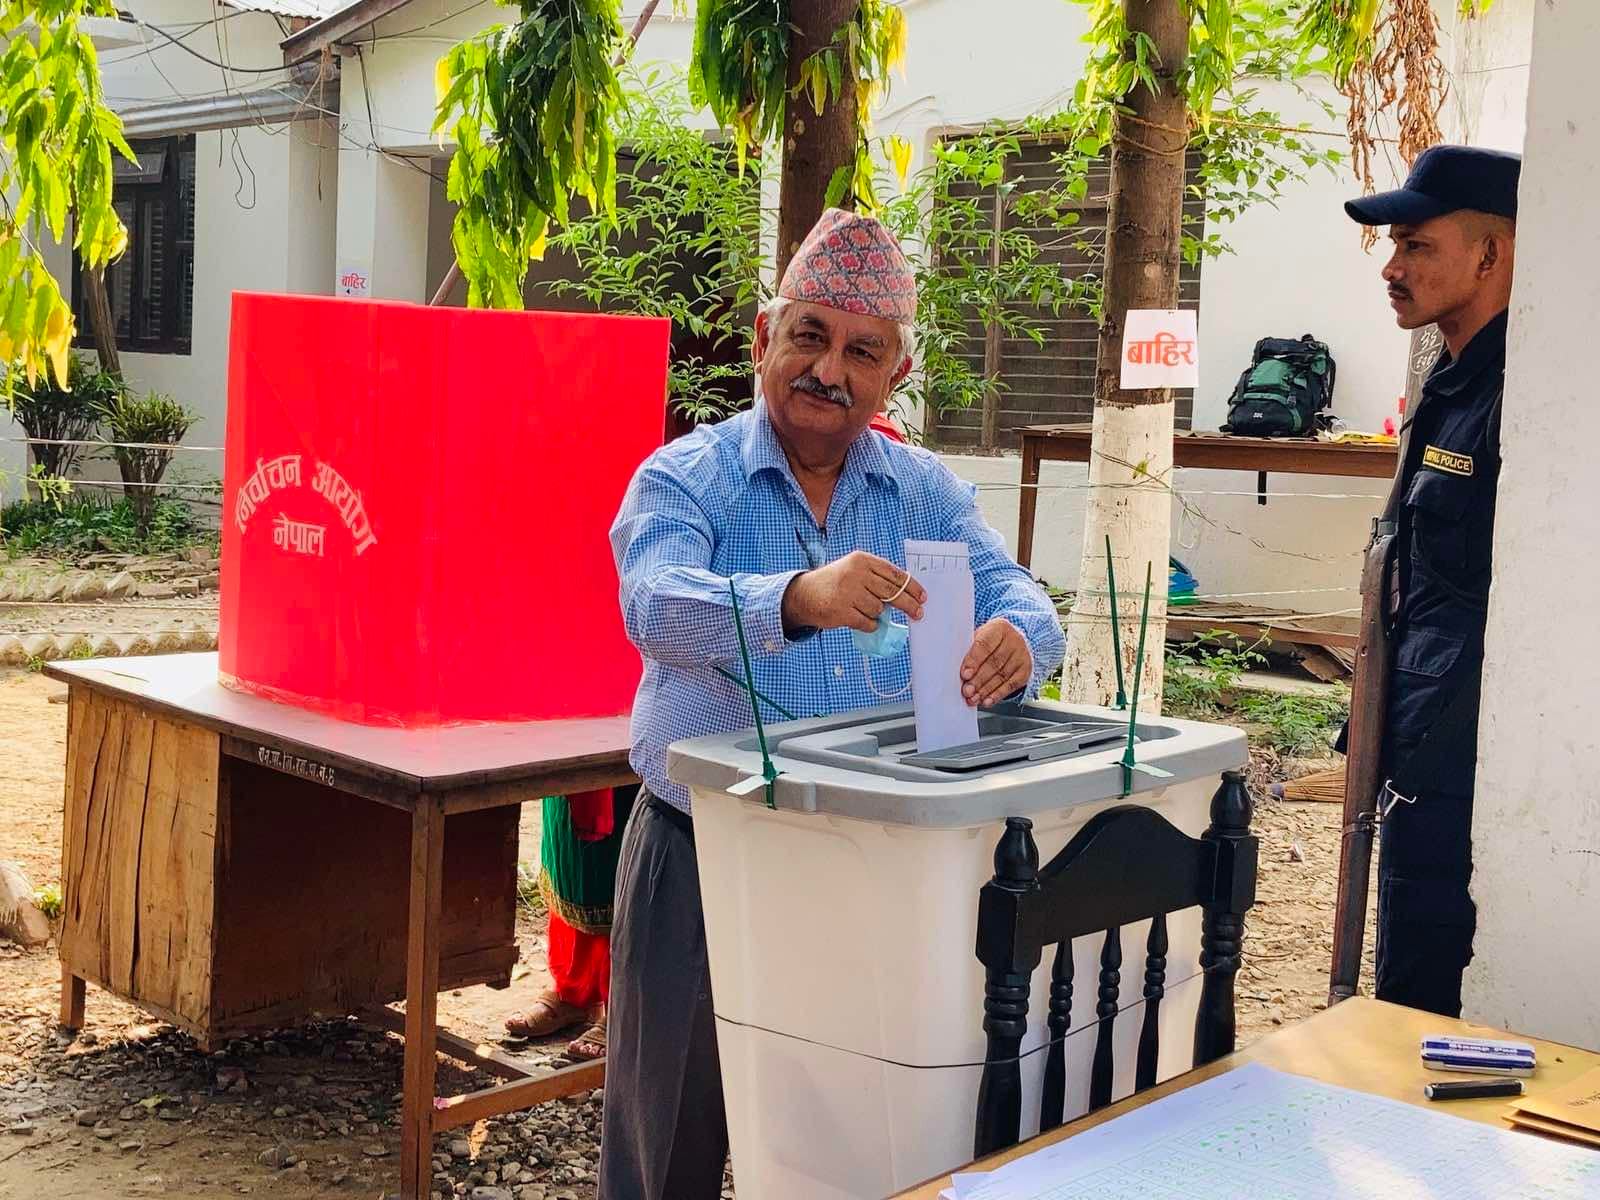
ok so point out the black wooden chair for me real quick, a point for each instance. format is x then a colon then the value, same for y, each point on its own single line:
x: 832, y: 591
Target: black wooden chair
x: 1126, y: 864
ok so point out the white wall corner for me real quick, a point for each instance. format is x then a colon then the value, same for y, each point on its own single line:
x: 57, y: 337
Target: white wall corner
x: 1536, y: 817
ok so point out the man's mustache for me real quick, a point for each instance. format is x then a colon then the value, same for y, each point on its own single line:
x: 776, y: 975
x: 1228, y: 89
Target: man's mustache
x: 1399, y: 293
x: 822, y: 391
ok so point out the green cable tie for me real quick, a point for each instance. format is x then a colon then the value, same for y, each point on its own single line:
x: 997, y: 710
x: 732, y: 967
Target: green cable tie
x: 760, y: 695
x: 1138, y: 671
x: 1116, y: 626
x: 768, y: 771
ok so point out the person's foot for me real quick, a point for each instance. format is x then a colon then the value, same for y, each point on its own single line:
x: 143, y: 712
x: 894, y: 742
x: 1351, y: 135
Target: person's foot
x: 548, y: 1014
x: 590, y: 1044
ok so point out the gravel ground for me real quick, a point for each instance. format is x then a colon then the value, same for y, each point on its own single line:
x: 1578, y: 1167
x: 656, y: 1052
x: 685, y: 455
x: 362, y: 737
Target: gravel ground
x: 107, y: 604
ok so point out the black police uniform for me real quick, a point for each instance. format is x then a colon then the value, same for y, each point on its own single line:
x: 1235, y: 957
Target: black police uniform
x: 1439, y: 591
x: 1440, y: 601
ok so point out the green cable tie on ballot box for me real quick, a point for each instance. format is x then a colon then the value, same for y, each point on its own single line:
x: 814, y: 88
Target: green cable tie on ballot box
x: 1129, y: 765
x: 1116, y: 626
x: 759, y: 694
x: 769, y: 773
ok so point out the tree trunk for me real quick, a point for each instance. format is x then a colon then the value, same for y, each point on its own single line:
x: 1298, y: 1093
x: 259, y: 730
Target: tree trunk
x: 815, y: 146
x: 1130, y: 468
x: 101, y: 325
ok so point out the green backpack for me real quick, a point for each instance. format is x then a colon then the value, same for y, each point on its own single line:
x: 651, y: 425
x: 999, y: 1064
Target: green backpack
x: 1285, y: 391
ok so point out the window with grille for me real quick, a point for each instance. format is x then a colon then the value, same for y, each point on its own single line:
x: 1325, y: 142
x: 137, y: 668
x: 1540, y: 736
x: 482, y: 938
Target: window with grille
x: 151, y: 287
x: 1052, y: 383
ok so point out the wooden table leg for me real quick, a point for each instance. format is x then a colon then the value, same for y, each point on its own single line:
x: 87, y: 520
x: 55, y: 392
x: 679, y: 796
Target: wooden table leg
x: 422, y: 998
x: 72, y: 989
x: 1028, y: 501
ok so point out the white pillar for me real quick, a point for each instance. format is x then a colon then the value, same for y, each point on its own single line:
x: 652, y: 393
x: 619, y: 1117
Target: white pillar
x: 313, y: 201
x: 1536, y: 817
x: 382, y: 205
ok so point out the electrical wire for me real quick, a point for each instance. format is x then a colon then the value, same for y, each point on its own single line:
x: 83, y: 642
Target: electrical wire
x: 224, y: 66
x: 188, y: 28
x: 241, y: 166
x: 389, y: 37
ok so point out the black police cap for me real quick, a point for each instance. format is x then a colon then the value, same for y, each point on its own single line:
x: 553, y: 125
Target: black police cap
x: 1446, y: 179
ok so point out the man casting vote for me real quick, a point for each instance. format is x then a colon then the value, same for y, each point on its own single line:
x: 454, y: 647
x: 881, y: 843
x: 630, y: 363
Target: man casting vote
x: 806, y: 511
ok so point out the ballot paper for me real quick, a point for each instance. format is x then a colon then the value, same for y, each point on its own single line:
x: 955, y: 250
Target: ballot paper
x: 962, y: 1185
x: 939, y: 641
x: 1259, y: 1132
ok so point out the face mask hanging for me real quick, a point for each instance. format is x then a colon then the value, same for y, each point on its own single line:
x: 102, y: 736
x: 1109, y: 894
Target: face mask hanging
x: 886, y: 640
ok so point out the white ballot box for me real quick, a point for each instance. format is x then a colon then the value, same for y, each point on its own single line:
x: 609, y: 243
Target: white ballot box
x: 841, y: 925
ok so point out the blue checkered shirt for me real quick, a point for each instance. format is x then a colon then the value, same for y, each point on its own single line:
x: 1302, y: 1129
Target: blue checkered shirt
x: 722, y: 503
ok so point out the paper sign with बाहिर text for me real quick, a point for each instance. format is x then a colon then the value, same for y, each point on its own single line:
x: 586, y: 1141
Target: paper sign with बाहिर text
x: 353, y: 280
x: 1160, y: 349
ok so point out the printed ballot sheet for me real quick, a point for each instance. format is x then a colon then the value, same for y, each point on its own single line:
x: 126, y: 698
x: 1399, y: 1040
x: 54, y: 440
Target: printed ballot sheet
x: 1260, y: 1132
x: 939, y: 642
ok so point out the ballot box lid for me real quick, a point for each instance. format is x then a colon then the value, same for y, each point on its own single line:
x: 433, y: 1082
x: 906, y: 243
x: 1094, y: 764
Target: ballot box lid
x: 1031, y: 756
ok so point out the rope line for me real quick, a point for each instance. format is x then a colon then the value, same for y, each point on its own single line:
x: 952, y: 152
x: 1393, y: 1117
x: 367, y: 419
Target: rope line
x: 1131, y: 1006
x: 32, y: 441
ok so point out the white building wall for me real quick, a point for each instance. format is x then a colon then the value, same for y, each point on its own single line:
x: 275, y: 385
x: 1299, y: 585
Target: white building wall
x: 264, y: 208
x: 1536, y: 819
x: 383, y: 199
x: 1297, y: 268
x: 240, y: 243
x: 1488, y: 59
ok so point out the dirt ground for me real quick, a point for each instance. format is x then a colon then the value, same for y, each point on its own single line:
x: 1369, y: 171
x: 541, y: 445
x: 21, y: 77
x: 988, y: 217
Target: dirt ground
x: 131, y: 1108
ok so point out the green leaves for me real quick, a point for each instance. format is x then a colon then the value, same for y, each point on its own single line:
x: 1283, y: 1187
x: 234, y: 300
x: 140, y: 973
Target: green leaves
x: 57, y: 136
x: 685, y: 245
x: 740, y: 65
x: 1345, y: 30
x: 740, y: 69
x: 531, y: 108
x: 945, y: 220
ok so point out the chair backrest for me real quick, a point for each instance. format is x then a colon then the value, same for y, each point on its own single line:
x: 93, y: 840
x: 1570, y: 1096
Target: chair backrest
x: 1126, y: 864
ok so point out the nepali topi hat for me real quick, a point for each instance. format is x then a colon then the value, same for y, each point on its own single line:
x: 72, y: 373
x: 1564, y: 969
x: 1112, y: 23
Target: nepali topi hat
x: 853, y: 263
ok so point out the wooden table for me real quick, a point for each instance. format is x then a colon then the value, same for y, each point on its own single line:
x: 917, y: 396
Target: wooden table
x: 1218, y: 451
x: 230, y: 864
x: 1362, y: 1044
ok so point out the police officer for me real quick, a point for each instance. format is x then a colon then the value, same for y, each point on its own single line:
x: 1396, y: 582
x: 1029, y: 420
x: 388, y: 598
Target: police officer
x: 1453, y: 227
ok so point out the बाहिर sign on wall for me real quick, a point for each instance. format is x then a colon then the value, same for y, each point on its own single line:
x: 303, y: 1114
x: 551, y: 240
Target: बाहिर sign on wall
x: 353, y: 280
x: 1160, y: 349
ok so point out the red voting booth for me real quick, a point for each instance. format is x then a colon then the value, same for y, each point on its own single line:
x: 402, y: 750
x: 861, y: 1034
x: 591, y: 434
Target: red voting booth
x: 417, y: 502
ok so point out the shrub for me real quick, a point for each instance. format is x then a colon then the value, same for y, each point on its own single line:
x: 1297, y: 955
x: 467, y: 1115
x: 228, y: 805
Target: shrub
x: 82, y: 522
x: 151, y: 421
x: 48, y: 411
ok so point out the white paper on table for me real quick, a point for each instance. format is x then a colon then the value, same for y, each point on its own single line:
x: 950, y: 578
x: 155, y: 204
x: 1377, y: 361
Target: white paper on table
x: 963, y: 1184
x: 939, y: 642
x: 1160, y: 349
x: 1254, y: 1131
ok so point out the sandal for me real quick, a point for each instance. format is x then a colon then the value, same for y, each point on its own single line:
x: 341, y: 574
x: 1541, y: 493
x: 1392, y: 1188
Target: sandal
x: 590, y: 1044
x: 548, y: 1014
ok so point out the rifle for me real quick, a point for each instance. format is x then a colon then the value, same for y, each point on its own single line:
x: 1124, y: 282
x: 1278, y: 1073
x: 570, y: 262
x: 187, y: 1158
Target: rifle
x: 1369, y: 702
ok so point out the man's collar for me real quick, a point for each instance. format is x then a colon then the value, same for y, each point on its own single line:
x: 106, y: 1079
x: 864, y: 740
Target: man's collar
x: 1486, y: 350
x: 760, y: 451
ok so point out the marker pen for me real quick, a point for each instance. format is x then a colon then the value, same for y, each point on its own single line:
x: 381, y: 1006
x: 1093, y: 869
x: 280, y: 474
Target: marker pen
x: 1472, y: 1089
